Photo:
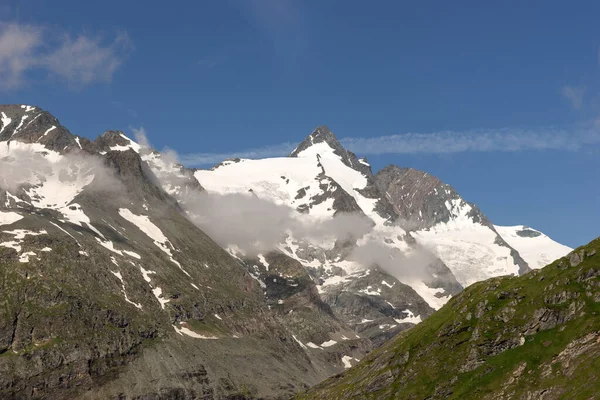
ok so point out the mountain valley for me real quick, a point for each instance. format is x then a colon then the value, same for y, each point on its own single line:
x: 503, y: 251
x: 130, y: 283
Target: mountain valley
x: 126, y: 275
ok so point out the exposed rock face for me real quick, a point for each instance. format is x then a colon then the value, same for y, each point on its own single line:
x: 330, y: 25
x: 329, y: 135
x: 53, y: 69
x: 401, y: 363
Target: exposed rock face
x: 324, y: 135
x: 530, y: 337
x: 419, y: 199
x: 111, y: 292
x: 29, y: 124
x: 433, y: 209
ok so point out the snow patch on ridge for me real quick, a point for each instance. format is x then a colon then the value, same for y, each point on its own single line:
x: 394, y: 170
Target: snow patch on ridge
x: 5, y: 121
x: 7, y: 218
x: 153, y: 232
x: 120, y: 277
x: 188, y: 332
x: 537, y: 249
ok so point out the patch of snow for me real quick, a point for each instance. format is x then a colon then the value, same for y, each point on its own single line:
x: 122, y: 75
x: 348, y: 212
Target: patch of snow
x: 7, y: 218
x: 23, y: 118
x: 107, y: 244
x: 188, y: 332
x: 73, y: 237
x: 5, y: 121
x: 132, y: 145
x: 328, y: 343
x: 153, y: 232
x: 299, y: 342
x: 313, y: 346
x: 146, y: 274
x: 20, y: 234
x: 347, y: 361
x: 256, y: 278
x: 74, y: 214
x: 157, y: 292
x: 132, y: 254
x: 429, y: 295
x: 263, y: 261
x: 368, y: 291
x: 410, y: 317
x: 120, y: 277
x: 47, y: 132
x: 24, y: 258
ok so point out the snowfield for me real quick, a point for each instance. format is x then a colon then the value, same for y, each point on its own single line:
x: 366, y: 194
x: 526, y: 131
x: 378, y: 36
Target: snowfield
x: 535, y: 247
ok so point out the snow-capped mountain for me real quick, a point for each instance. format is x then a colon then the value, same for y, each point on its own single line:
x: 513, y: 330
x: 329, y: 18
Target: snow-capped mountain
x: 535, y: 247
x: 128, y: 274
x: 322, y: 182
x: 457, y: 231
x: 109, y: 288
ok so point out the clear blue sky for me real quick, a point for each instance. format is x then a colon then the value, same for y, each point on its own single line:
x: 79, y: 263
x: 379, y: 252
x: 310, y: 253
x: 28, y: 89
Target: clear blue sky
x: 513, y: 82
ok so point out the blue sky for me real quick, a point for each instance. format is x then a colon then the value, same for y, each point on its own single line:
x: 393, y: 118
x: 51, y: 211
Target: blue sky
x: 499, y: 100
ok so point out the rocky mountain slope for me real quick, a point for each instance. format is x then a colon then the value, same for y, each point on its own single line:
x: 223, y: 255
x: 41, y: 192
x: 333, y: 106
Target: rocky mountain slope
x: 109, y: 291
x: 456, y: 230
x: 124, y: 274
x: 531, y: 337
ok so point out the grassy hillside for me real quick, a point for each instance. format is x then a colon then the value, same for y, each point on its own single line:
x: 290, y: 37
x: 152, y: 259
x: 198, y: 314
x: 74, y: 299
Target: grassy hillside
x: 532, y: 337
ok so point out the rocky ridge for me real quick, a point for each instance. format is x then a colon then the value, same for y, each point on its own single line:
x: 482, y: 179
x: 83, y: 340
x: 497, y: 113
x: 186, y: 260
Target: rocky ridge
x: 535, y: 336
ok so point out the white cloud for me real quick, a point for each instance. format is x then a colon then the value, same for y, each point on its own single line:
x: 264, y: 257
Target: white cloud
x: 79, y: 60
x: 140, y: 135
x: 574, y: 94
x: 507, y: 140
x: 17, y: 46
x: 85, y: 60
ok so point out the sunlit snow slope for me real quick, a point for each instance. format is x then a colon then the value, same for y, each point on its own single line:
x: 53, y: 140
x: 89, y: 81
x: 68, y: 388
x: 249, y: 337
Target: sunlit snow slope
x: 535, y: 247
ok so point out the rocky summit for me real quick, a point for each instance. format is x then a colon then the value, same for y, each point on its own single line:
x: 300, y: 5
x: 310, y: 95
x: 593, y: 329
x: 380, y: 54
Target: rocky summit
x: 126, y: 275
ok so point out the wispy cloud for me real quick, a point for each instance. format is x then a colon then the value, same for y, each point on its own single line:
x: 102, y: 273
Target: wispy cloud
x: 574, y: 94
x: 506, y: 140
x: 474, y: 141
x: 77, y: 60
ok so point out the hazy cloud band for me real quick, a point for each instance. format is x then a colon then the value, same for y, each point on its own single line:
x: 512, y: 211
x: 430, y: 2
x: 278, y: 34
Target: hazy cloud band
x: 446, y: 142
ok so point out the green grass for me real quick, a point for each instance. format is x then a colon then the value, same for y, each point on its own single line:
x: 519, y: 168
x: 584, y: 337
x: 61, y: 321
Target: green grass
x: 439, y: 347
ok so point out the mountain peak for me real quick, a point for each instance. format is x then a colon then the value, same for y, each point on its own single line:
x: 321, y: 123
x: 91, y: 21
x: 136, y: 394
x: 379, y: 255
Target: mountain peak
x: 31, y: 124
x: 323, y: 142
x: 322, y: 134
